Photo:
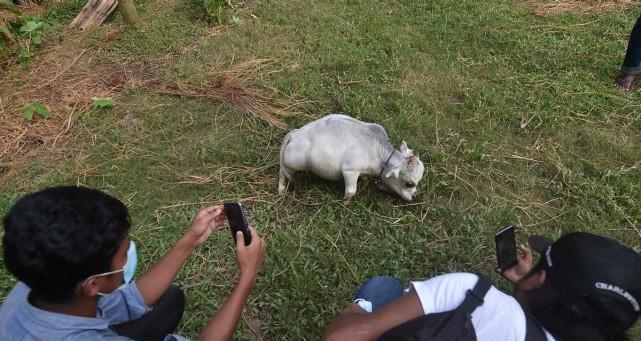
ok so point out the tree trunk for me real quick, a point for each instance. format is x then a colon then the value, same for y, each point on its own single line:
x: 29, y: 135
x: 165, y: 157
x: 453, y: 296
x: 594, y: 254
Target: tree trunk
x: 128, y: 11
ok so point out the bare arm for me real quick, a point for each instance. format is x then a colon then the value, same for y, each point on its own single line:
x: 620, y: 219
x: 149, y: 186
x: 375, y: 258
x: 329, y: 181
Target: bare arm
x: 356, y: 325
x: 250, y: 258
x: 153, y: 284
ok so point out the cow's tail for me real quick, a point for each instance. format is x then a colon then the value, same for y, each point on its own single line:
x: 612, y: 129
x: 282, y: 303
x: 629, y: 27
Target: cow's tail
x: 284, y: 177
x: 286, y: 140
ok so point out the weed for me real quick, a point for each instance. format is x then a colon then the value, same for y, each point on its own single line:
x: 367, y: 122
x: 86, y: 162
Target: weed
x: 217, y: 10
x: 36, y: 107
x: 26, y: 32
x: 102, y: 102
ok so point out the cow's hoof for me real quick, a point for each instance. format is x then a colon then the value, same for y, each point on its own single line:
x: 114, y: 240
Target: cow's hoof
x: 283, y: 190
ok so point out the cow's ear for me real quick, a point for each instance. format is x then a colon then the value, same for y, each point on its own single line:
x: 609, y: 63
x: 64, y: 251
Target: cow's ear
x: 405, y: 150
x: 393, y: 172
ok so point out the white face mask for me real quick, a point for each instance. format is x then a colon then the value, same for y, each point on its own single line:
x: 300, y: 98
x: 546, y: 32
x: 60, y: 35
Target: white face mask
x: 129, y: 269
x: 104, y: 274
x: 132, y: 261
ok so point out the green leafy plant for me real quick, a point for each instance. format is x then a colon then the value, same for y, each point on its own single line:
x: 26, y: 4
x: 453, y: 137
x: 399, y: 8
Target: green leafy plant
x: 36, y: 107
x: 216, y: 10
x: 30, y: 32
x: 19, y: 33
x: 102, y: 102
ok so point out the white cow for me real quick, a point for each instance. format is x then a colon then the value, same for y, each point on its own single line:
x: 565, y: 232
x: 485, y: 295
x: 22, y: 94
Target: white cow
x: 338, y: 146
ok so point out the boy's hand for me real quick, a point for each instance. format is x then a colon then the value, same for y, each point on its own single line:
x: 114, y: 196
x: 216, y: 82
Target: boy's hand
x: 250, y: 257
x: 206, y: 221
x: 523, y: 266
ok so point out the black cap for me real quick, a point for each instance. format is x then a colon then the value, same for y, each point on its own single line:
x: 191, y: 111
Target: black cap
x: 596, y: 266
x: 539, y: 243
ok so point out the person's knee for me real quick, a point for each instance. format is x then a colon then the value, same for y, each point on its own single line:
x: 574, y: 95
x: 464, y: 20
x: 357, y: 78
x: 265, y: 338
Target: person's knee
x: 175, y: 297
x: 385, y: 281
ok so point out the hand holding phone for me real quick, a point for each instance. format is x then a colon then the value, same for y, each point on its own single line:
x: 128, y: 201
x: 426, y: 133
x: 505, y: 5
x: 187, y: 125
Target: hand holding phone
x: 237, y: 220
x: 506, y: 248
x: 524, y: 265
x: 205, y: 222
x: 250, y: 257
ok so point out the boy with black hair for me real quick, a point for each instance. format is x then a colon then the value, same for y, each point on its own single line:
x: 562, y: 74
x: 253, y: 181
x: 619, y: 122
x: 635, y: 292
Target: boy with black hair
x: 70, y: 249
x: 584, y: 287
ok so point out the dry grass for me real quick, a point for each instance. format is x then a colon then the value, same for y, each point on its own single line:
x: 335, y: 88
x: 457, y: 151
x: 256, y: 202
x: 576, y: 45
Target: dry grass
x: 551, y: 7
x: 7, y: 16
x: 231, y: 87
x: 65, y: 79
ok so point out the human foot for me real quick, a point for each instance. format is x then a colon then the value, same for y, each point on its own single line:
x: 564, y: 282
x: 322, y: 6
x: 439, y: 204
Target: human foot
x: 624, y: 82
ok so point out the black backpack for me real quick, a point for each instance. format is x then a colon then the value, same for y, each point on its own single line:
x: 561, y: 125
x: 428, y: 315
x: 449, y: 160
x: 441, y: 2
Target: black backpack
x: 453, y: 325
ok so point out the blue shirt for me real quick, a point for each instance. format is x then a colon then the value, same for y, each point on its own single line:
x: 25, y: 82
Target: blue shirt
x: 19, y: 320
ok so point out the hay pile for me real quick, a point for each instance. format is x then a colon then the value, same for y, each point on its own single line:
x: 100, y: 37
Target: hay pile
x: 231, y: 87
x: 551, y: 7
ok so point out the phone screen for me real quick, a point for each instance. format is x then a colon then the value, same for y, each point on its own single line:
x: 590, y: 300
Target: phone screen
x: 506, y: 248
x: 237, y: 221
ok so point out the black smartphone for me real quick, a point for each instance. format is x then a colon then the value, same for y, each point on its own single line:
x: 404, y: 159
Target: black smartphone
x: 506, y: 248
x: 237, y: 220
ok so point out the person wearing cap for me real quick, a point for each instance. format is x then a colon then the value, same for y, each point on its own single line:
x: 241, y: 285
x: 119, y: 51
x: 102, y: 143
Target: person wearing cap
x: 584, y: 287
x: 69, y: 248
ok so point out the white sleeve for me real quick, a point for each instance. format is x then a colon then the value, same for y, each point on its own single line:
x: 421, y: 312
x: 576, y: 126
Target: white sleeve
x: 445, y: 292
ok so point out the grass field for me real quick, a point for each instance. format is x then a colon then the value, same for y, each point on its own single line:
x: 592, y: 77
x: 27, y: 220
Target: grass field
x: 513, y: 114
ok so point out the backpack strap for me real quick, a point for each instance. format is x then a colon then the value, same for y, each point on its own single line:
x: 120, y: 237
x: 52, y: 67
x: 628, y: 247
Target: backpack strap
x: 533, y: 332
x: 474, y: 297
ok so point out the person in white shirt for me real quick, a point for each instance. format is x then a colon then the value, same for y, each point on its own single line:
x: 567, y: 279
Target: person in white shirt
x: 584, y: 287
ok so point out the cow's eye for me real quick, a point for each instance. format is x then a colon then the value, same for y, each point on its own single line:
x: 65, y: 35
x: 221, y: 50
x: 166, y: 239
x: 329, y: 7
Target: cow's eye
x: 409, y: 184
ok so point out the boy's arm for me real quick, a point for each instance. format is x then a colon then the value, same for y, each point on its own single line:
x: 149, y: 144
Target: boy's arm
x: 222, y: 325
x: 357, y: 325
x: 153, y: 284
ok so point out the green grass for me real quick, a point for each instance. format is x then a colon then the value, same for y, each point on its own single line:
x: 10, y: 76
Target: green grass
x: 514, y: 115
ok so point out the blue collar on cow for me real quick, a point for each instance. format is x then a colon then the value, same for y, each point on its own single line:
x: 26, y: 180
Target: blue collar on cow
x: 385, y: 164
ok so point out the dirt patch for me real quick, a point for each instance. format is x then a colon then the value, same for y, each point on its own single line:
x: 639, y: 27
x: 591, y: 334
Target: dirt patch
x: 552, y: 7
